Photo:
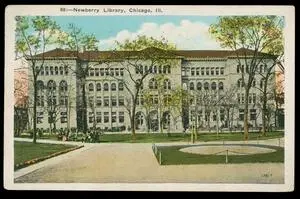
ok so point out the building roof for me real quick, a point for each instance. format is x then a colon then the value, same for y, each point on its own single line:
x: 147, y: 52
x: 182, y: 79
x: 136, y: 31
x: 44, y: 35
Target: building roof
x: 87, y: 55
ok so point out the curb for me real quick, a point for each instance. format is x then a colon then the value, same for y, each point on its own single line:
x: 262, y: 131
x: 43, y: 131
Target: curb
x: 36, y: 160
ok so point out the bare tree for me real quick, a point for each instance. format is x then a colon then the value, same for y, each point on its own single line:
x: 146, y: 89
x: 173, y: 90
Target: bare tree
x: 139, y: 59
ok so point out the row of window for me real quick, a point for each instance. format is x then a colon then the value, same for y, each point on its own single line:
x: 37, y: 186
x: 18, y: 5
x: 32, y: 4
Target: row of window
x: 113, y: 86
x: 262, y: 68
x: 241, y: 98
x: 252, y: 114
x: 153, y: 84
x: 51, y: 85
x: 152, y: 100
x: 97, y: 117
x: 197, y: 71
x: 52, y: 117
x: 207, y: 115
x: 241, y: 84
x: 52, y: 100
x: 106, y: 72
x: 106, y: 102
x: 54, y: 70
x: 153, y: 69
x: 206, y: 86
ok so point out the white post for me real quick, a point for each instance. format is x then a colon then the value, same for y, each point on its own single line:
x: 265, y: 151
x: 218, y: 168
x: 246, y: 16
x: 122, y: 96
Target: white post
x: 226, y: 156
x: 160, y: 157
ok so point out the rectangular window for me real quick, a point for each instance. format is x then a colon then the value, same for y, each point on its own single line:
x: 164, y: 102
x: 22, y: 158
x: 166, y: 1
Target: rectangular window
x: 97, y: 72
x: 122, y: 71
x: 207, y: 115
x: 91, y: 101
x: 155, y: 99
x: 114, y: 117
x: 40, y: 116
x: 222, y: 70
x: 106, y: 72
x: 197, y: 71
x: 42, y: 71
x: 114, y: 101
x: 102, y: 71
x: 241, y: 114
x: 250, y: 98
x: 212, y: 71
x: 252, y: 114
x: 222, y: 114
x: 214, y: 117
x: 91, y: 72
x: 192, y: 71
x: 117, y: 71
x: 121, y: 117
x: 238, y: 68
x: 243, y: 98
x: 106, y: 117
x: 112, y: 72
x: 106, y: 101
x: 98, y: 101
x: 254, y: 98
x: 207, y: 70
x: 239, y: 98
x: 202, y: 71
x: 121, y: 101
x: 98, y: 117
x: 63, y: 117
x: 91, y: 117
x: 217, y: 70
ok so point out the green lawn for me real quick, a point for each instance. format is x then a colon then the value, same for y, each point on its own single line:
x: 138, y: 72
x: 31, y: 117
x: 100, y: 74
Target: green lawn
x: 177, y: 137
x: 172, y: 156
x: 25, y: 151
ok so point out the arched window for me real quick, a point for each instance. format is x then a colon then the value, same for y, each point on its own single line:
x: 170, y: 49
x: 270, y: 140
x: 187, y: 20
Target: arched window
x: 221, y: 86
x: 206, y: 86
x: 168, y: 69
x: 105, y: 87
x: 113, y: 87
x: 152, y: 84
x: 40, y: 85
x: 63, y: 86
x: 121, y: 86
x: 98, y: 87
x: 213, y: 86
x: 91, y: 87
x: 240, y: 83
x: 199, y: 86
x: 154, y: 69
x: 51, y: 85
x: 167, y: 84
x: 192, y: 86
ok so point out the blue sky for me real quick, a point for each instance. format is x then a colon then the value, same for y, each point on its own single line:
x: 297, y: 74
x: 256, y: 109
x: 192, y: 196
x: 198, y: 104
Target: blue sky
x: 187, y: 32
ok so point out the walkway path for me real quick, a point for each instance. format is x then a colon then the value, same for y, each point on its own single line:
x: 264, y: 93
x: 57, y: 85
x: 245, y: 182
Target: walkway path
x: 126, y: 162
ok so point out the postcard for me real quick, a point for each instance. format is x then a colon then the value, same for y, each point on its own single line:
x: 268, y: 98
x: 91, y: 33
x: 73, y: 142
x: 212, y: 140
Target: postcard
x: 149, y: 98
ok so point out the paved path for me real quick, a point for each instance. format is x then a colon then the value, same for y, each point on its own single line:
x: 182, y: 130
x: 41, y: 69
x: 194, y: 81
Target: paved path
x: 126, y: 162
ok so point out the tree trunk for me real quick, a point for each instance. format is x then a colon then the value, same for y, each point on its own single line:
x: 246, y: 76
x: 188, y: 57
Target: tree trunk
x: 34, y: 106
x: 246, y: 127
x: 84, y: 109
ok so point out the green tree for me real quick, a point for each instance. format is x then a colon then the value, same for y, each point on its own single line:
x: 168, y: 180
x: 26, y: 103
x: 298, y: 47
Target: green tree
x: 253, y: 39
x: 77, y: 41
x: 139, y: 58
x: 33, y: 36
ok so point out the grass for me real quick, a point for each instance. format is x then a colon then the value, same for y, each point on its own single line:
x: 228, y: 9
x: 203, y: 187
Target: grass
x: 25, y: 151
x: 172, y: 156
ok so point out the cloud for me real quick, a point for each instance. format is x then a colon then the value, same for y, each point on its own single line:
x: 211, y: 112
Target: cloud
x: 187, y: 35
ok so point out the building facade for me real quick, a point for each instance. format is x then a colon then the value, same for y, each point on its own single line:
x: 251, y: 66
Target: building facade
x: 212, y: 78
